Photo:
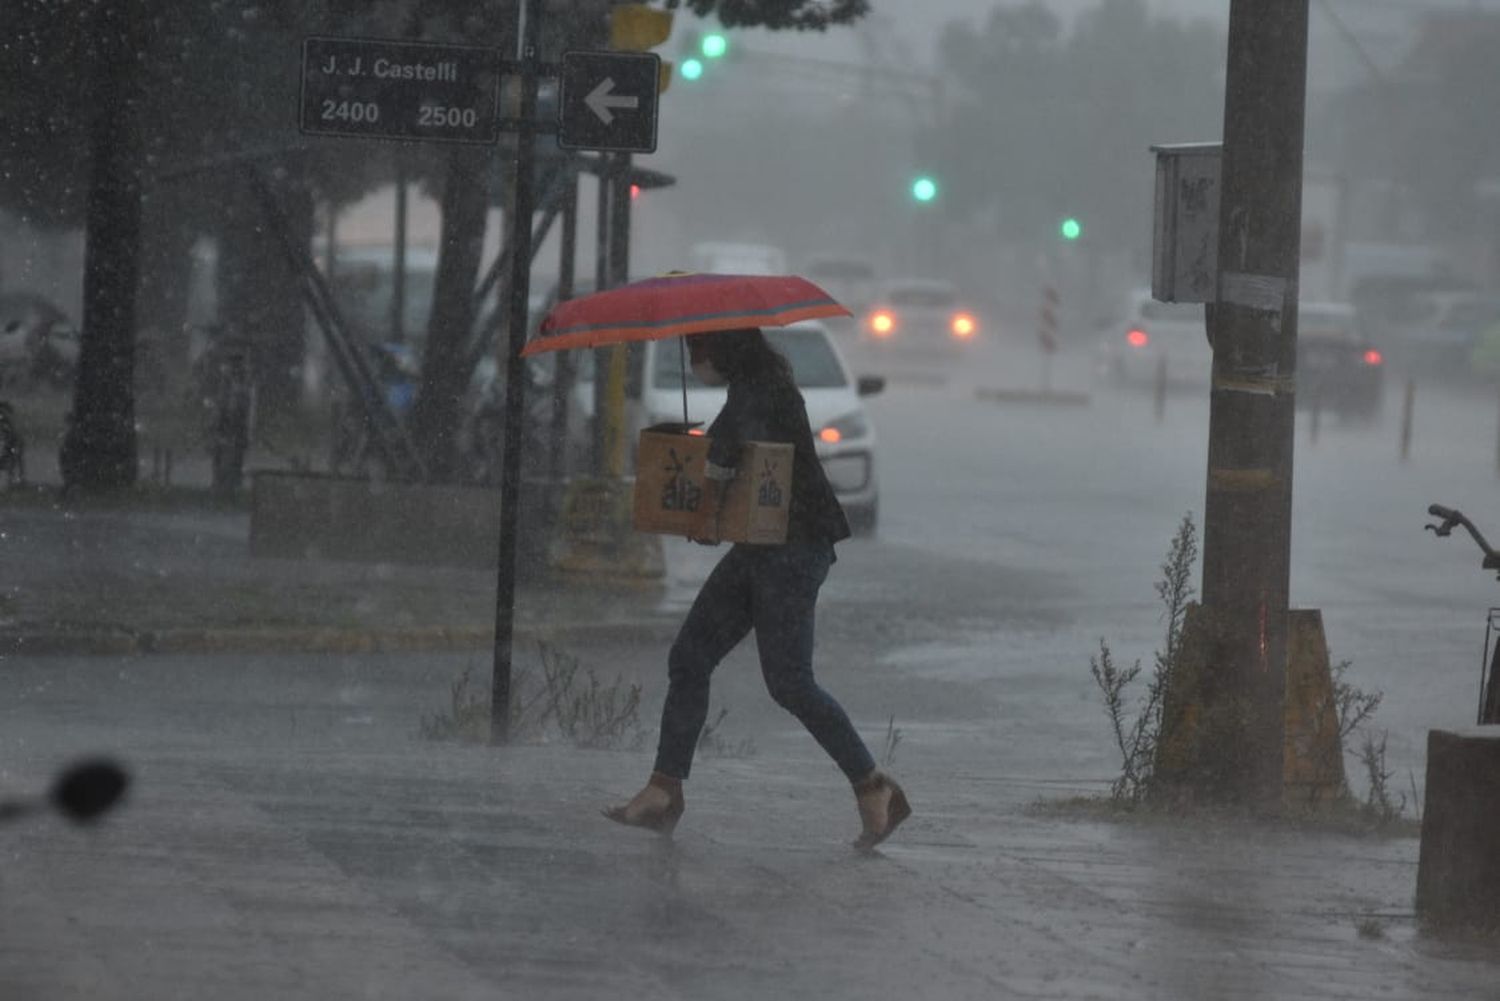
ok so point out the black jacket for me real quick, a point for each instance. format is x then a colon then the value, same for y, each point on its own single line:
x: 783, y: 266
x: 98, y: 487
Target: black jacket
x: 770, y: 408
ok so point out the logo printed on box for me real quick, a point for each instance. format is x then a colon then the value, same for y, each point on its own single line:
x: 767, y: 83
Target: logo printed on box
x: 679, y: 493
x: 769, y: 494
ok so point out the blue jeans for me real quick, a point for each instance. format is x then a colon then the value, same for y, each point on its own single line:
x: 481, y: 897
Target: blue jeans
x: 773, y: 590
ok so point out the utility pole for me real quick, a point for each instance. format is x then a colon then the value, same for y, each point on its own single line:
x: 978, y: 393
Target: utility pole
x: 1253, y: 327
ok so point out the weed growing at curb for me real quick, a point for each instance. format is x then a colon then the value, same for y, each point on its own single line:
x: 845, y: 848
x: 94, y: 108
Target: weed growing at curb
x: 582, y: 710
x: 892, y: 741
x: 467, y: 719
x: 713, y: 744
x: 1379, y: 802
x: 1137, y: 738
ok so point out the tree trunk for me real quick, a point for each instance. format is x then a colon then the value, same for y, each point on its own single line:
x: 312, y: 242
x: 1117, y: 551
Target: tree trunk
x: 167, y: 239
x: 99, y: 449
x: 438, y: 412
x: 258, y: 293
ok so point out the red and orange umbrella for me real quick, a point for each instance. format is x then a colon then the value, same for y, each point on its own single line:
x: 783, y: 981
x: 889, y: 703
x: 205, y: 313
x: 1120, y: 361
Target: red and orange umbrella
x: 679, y: 303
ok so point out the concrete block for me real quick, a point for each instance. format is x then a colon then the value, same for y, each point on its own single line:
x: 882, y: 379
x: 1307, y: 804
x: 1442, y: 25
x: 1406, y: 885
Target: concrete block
x: 1458, y: 871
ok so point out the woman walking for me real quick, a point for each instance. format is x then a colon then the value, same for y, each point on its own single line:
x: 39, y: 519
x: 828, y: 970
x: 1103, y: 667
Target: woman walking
x: 770, y: 589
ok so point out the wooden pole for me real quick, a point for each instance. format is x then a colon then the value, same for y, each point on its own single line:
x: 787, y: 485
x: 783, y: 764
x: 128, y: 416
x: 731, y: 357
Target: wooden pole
x: 1408, y: 404
x: 1252, y: 419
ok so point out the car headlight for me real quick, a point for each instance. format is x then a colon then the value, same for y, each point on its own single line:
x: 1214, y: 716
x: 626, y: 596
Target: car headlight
x: 851, y: 425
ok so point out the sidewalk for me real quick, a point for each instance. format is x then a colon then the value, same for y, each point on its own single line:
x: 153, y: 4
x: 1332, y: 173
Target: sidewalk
x: 288, y: 835
x: 107, y: 579
x: 328, y: 859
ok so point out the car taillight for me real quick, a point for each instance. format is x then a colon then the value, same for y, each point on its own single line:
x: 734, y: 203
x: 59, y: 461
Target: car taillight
x: 963, y: 326
x: 697, y: 431
x: 1137, y: 338
x: 1373, y: 357
x: 883, y: 323
x: 831, y: 435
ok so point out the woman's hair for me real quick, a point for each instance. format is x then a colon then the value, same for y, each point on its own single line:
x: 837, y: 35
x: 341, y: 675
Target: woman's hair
x: 742, y: 353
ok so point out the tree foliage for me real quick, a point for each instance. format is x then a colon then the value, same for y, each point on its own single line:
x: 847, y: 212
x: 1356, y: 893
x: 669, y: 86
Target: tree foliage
x: 1427, y: 126
x: 796, y: 15
x: 1046, y: 122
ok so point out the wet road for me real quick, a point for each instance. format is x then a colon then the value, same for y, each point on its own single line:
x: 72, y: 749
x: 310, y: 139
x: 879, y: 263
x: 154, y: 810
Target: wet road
x: 292, y: 836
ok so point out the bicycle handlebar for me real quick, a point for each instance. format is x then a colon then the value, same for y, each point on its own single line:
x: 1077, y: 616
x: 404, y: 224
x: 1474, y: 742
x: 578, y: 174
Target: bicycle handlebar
x: 1452, y: 519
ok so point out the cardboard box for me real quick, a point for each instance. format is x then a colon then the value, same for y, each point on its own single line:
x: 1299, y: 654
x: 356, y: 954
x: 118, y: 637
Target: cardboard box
x: 670, y: 488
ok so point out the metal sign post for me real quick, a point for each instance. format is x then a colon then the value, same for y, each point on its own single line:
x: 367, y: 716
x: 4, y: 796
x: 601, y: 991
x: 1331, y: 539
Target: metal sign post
x: 515, y: 383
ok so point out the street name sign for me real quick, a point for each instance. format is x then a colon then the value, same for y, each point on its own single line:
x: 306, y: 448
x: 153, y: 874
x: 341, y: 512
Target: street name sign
x: 400, y: 90
x: 607, y: 100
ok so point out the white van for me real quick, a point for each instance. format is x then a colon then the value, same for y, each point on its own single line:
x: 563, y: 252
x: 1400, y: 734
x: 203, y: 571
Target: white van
x: 738, y: 259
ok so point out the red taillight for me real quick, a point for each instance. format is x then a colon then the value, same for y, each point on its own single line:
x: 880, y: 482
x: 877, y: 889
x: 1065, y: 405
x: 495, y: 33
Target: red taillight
x: 697, y: 431
x: 963, y: 326
x: 1137, y: 338
x: 831, y: 435
x: 1373, y: 357
x: 883, y: 323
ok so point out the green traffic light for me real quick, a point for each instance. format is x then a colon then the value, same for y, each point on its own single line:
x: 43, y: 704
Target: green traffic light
x: 714, y: 45
x: 691, y: 69
x: 924, y: 189
x: 1071, y: 229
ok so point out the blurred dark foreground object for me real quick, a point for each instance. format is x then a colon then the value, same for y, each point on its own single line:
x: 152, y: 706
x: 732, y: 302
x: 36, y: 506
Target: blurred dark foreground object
x: 83, y: 793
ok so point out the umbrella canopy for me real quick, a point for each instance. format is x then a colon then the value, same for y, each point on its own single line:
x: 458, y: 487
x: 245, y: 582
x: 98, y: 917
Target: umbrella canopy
x: 681, y: 303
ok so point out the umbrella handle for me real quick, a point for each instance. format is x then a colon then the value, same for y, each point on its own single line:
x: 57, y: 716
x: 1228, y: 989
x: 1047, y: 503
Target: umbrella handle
x: 682, y: 358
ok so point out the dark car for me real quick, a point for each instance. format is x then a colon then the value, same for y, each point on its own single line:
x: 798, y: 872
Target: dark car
x: 1337, y: 369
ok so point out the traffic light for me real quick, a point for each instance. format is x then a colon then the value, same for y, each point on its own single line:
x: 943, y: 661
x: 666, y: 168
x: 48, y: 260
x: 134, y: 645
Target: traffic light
x: 924, y: 188
x: 699, y: 50
x: 634, y: 27
x: 1070, y: 228
x: 713, y: 45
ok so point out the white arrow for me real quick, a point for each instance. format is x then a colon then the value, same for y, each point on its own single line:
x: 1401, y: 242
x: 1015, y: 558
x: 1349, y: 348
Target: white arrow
x: 600, y: 100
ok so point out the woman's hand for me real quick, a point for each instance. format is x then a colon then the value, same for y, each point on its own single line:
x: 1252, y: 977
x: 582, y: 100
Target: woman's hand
x: 709, y: 533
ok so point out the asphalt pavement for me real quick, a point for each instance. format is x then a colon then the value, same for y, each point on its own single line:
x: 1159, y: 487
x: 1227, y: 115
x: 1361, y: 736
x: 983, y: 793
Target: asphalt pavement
x: 292, y: 834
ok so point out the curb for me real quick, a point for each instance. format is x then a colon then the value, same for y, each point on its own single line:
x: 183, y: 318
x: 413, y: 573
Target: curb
x: 1055, y: 397
x: 313, y: 639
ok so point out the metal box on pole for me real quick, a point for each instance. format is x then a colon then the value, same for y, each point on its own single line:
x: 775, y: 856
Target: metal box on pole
x: 1185, y: 235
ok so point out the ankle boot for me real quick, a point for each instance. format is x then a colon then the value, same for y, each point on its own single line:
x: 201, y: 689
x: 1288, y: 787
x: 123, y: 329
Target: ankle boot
x: 657, y: 807
x: 882, y: 806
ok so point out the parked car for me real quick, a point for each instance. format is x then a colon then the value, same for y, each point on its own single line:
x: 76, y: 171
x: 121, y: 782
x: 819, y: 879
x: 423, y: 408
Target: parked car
x: 1144, y: 334
x: 1337, y: 368
x: 924, y: 316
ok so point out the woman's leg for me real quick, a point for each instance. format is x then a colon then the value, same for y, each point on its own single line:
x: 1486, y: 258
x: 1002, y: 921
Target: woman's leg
x: 785, y: 595
x: 718, y: 620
